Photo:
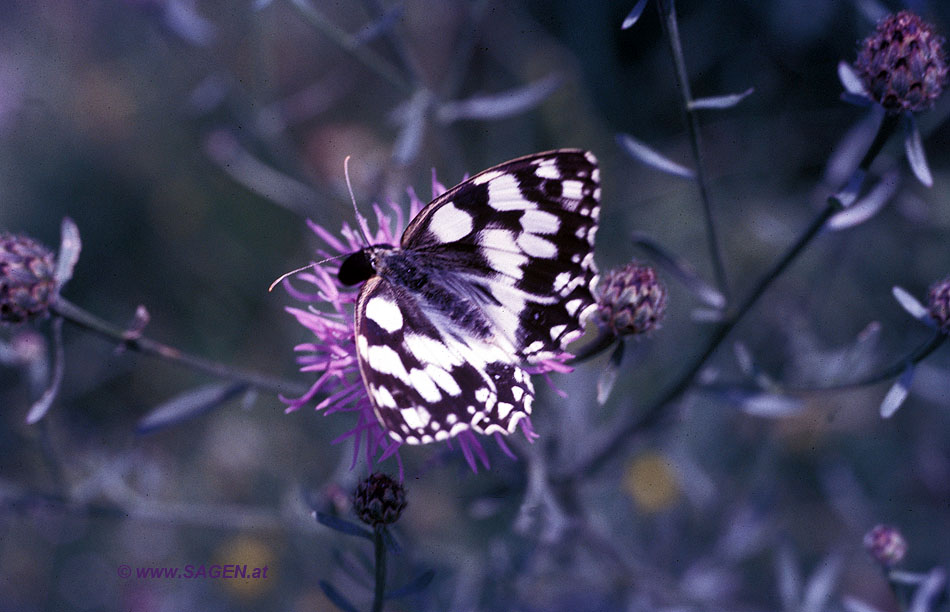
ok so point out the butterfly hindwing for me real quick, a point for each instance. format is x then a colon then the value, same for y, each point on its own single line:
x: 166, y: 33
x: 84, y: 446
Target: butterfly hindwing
x: 494, y: 272
x: 426, y: 384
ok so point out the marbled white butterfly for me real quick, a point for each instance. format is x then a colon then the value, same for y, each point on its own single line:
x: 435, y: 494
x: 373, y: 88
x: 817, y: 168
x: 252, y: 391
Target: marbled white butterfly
x: 495, y: 272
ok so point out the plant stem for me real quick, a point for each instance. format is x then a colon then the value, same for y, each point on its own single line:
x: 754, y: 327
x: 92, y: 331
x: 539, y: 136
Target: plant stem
x: 76, y: 315
x: 657, y: 409
x: 379, y: 547
x: 671, y: 27
x: 893, y: 371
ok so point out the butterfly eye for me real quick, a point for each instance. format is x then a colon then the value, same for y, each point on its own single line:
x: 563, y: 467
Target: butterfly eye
x: 356, y: 268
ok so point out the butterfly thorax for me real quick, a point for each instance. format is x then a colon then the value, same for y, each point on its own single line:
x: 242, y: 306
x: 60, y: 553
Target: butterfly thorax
x: 424, y: 279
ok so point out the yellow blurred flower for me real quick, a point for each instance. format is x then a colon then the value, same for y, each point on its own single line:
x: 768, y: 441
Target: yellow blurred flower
x: 650, y: 480
x: 252, y: 556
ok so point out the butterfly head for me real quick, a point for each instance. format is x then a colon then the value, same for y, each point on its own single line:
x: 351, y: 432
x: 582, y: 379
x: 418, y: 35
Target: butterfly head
x: 361, y: 265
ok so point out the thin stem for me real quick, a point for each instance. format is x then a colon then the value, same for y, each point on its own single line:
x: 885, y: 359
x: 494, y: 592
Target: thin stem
x: 670, y: 25
x: 346, y: 42
x: 379, y: 590
x: 887, y: 374
x: 657, y: 409
x: 76, y: 315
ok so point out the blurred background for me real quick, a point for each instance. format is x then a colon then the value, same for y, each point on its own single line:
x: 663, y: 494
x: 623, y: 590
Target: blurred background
x: 189, y: 140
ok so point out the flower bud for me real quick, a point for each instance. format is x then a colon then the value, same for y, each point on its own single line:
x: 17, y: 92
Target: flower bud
x: 630, y: 300
x: 903, y: 65
x: 886, y: 545
x: 379, y: 500
x: 27, y: 281
x: 938, y: 304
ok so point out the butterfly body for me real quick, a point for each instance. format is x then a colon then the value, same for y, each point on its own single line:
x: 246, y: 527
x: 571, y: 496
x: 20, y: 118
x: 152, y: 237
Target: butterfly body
x: 495, y: 272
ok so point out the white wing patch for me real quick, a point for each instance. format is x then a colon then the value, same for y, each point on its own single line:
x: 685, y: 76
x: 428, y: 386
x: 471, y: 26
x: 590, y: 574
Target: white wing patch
x: 384, y: 313
x: 449, y: 224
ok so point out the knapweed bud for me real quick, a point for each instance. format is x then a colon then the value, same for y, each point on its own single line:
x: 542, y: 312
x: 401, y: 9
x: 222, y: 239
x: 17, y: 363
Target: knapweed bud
x: 27, y: 281
x: 630, y: 300
x: 886, y: 545
x: 379, y: 500
x: 903, y: 65
x: 938, y: 304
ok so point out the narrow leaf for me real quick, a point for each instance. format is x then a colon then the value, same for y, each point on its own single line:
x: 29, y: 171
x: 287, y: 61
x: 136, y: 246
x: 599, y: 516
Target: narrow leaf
x: 720, y: 102
x: 897, y: 393
x: 681, y: 269
x: 914, y: 147
x: 646, y: 155
x: 188, y: 405
x: 343, y: 525
x: 912, y: 579
x: 707, y: 315
x: 848, y: 194
x: 771, y: 405
x: 39, y: 409
x: 607, y: 378
x: 821, y: 584
x: 789, y: 578
x: 868, y: 206
x: 845, y: 160
x: 69, y: 247
x: 634, y: 15
x: 743, y: 358
x: 336, y: 597
x: 911, y: 305
x: 420, y: 582
x: 502, y: 105
x: 182, y: 18
x: 929, y: 591
x: 850, y: 80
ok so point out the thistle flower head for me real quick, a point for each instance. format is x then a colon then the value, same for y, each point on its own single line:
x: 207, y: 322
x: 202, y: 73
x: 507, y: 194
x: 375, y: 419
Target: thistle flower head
x: 331, y: 354
x: 903, y: 65
x: 938, y: 304
x: 27, y: 278
x: 630, y: 300
x: 886, y: 545
x: 379, y: 500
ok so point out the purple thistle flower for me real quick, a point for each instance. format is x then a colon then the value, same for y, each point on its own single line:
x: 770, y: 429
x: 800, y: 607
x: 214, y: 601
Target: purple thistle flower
x: 332, y: 354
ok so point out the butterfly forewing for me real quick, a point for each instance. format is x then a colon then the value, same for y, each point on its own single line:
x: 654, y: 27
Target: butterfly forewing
x: 522, y: 233
x: 496, y: 271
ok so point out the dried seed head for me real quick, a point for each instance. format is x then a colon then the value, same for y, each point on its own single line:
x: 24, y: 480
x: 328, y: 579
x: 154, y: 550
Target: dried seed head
x: 938, y: 304
x: 379, y: 500
x: 886, y: 544
x: 27, y: 281
x: 903, y: 64
x: 630, y: 300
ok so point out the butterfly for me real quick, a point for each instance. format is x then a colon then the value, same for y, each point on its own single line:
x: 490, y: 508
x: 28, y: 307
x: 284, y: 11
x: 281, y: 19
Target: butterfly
x: 495, y: 273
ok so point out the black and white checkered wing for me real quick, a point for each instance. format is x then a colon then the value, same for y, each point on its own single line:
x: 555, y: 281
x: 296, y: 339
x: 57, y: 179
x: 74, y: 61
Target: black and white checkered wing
x: 428, y: 381
x: 496, y: 271
x: 522, y: 236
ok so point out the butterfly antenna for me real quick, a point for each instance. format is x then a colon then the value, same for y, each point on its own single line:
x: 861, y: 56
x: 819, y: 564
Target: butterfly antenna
x: 360, y: 221
x: 301, y: 269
